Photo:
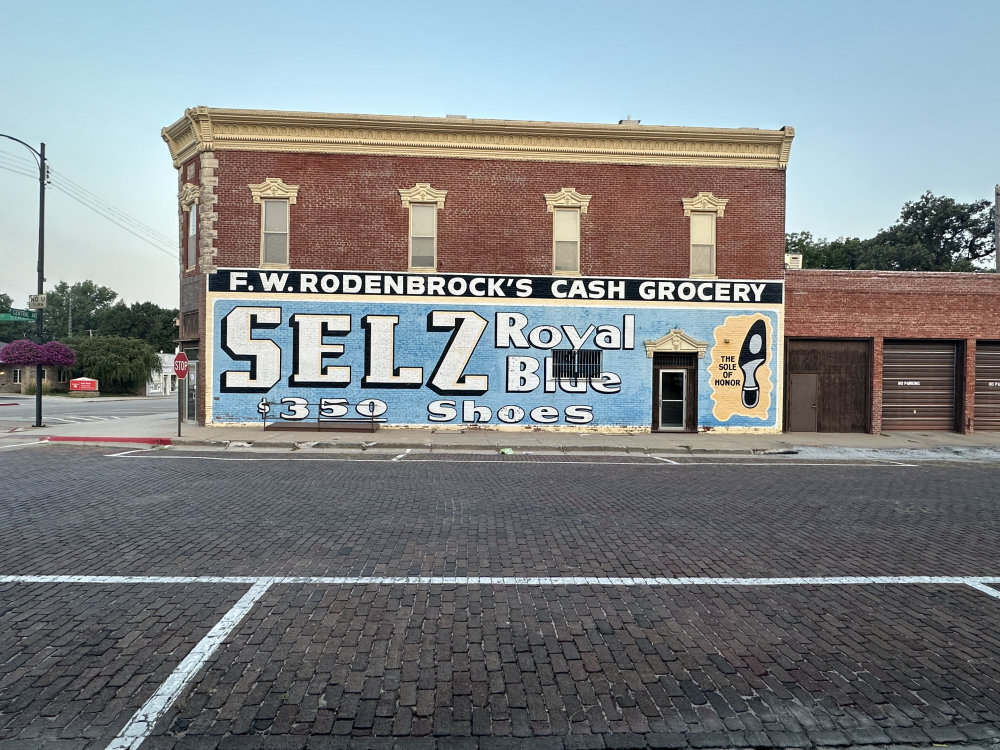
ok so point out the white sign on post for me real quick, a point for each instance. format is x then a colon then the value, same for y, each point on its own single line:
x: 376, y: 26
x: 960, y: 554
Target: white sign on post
x: 36, y: 301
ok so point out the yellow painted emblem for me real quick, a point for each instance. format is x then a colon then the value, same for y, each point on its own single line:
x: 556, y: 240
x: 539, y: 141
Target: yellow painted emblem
x: 740, y: 369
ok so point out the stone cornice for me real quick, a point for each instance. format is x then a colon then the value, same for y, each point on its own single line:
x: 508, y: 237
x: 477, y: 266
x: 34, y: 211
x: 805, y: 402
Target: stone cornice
x: 210, y: 129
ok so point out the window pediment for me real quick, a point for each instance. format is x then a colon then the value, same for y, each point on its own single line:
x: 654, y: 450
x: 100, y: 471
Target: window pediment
x: 274, y: 187
x: 567, y: 198
x: 705, y: 202
x: 188, y: 195
x: 676, y: 341
x: 422, y: 192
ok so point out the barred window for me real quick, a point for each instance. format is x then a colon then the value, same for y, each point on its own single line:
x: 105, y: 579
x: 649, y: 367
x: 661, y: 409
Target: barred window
x: 576, y: 364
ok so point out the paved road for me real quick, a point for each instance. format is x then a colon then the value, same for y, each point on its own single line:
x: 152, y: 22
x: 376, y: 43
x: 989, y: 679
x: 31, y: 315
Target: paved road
x: 58, y: 410
x: 325, y: 601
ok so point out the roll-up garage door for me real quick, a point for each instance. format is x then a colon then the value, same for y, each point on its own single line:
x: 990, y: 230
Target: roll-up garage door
x: 987, y: 414
x: 918, y: 385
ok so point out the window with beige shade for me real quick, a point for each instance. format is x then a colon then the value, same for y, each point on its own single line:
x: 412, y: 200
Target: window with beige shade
x: 704, y: 210
x: 423, y: 202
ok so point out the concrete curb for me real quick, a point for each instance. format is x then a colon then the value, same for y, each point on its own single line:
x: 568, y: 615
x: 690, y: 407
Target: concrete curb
x: 95, y: 439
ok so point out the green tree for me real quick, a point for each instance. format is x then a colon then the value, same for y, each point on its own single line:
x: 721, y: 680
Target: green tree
x: 843, y: 252
x: 119, y: 364
x: 142, y: 320
x: 936, y: 233
x: 13, y: 330
x: 83, y: 301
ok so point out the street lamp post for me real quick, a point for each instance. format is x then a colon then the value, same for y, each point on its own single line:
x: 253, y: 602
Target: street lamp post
x: 42, y: 178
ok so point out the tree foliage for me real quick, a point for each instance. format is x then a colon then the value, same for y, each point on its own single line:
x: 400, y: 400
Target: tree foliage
x: 142, y: 320
x: 11, y: 330
x: 934, y: 233
x: 83, y: 301
x: 120, y: 364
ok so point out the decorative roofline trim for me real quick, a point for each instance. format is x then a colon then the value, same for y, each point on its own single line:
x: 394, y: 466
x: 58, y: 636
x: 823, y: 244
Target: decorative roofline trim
x: 210, y: 129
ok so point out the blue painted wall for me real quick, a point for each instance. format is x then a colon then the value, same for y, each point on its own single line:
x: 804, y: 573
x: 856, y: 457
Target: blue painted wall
x: 449, y: 362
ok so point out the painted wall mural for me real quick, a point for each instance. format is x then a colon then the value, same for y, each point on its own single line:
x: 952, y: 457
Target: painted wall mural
x: 492, y: 351
x: 740, y: 372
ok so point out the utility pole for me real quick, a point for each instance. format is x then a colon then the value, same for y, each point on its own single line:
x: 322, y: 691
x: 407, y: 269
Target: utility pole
x: 996, y: 228
x: 43, y: 175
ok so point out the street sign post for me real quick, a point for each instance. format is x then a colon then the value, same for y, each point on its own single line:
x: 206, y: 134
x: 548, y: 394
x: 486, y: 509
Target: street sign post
x: 181, y: 371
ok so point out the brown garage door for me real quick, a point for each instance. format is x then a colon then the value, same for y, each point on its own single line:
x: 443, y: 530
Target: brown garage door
x: 987, y: 386
x: 829, y: 385
x: 918, y: 385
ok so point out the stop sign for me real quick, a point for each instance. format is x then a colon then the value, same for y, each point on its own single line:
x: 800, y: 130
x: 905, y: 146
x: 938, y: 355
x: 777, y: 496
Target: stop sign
x: 181, y: 365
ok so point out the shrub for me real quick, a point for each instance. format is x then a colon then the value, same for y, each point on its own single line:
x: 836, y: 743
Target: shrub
x: 119, y: 364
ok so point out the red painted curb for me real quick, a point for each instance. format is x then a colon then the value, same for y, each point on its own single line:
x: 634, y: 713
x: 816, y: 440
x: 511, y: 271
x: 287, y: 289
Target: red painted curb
x: 75, y: 439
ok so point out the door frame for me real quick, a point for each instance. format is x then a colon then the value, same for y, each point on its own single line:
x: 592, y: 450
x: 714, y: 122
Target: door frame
x: 690, y: 403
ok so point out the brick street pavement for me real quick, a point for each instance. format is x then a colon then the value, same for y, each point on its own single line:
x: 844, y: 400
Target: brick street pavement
x: 486, y: 665
x: 75, y: 663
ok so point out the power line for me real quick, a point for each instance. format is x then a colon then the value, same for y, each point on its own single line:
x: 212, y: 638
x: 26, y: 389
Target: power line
x: 110, y: 207
x: 17, y: 171
x: 155, y: 239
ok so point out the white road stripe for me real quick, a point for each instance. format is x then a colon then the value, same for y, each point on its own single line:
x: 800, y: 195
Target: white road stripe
x: 22, y: 445
x: 974, y: 581
x: 665, y: 460
x: 143, y: 721
x: 986, y: 589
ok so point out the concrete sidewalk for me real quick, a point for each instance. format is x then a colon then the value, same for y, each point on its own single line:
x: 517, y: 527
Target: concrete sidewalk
x: 162, y: 429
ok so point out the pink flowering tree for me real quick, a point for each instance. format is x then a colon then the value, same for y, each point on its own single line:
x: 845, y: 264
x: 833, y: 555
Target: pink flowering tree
x: 57, y: 354
x: 26, y: 352
x: 21, y: 352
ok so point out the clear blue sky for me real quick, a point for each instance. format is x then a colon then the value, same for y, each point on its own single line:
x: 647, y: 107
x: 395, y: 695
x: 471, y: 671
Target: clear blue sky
x: 888, y: 99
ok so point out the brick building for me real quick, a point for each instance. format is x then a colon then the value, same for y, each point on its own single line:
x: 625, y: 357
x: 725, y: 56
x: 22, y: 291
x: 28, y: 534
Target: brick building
x: 448, y: 272
x: 869, y: 351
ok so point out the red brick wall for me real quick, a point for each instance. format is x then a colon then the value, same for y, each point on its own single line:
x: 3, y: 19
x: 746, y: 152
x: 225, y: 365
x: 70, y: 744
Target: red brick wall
x: 348, y: 214
x: 879, y: 305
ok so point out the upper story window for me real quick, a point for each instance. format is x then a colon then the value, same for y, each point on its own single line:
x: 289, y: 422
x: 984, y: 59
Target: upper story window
x: 566, y: 207
x: 704, y: 210
x: 566, y: 240
x: 423, y: 203
x: 275, y: 198
x: 192, y: 236
x: 274, y: 234
x: 189, y: 205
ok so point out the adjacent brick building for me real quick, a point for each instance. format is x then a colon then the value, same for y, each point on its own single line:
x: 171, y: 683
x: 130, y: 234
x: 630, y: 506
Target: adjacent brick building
x: 449, y: 272
x: 890, y: 350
